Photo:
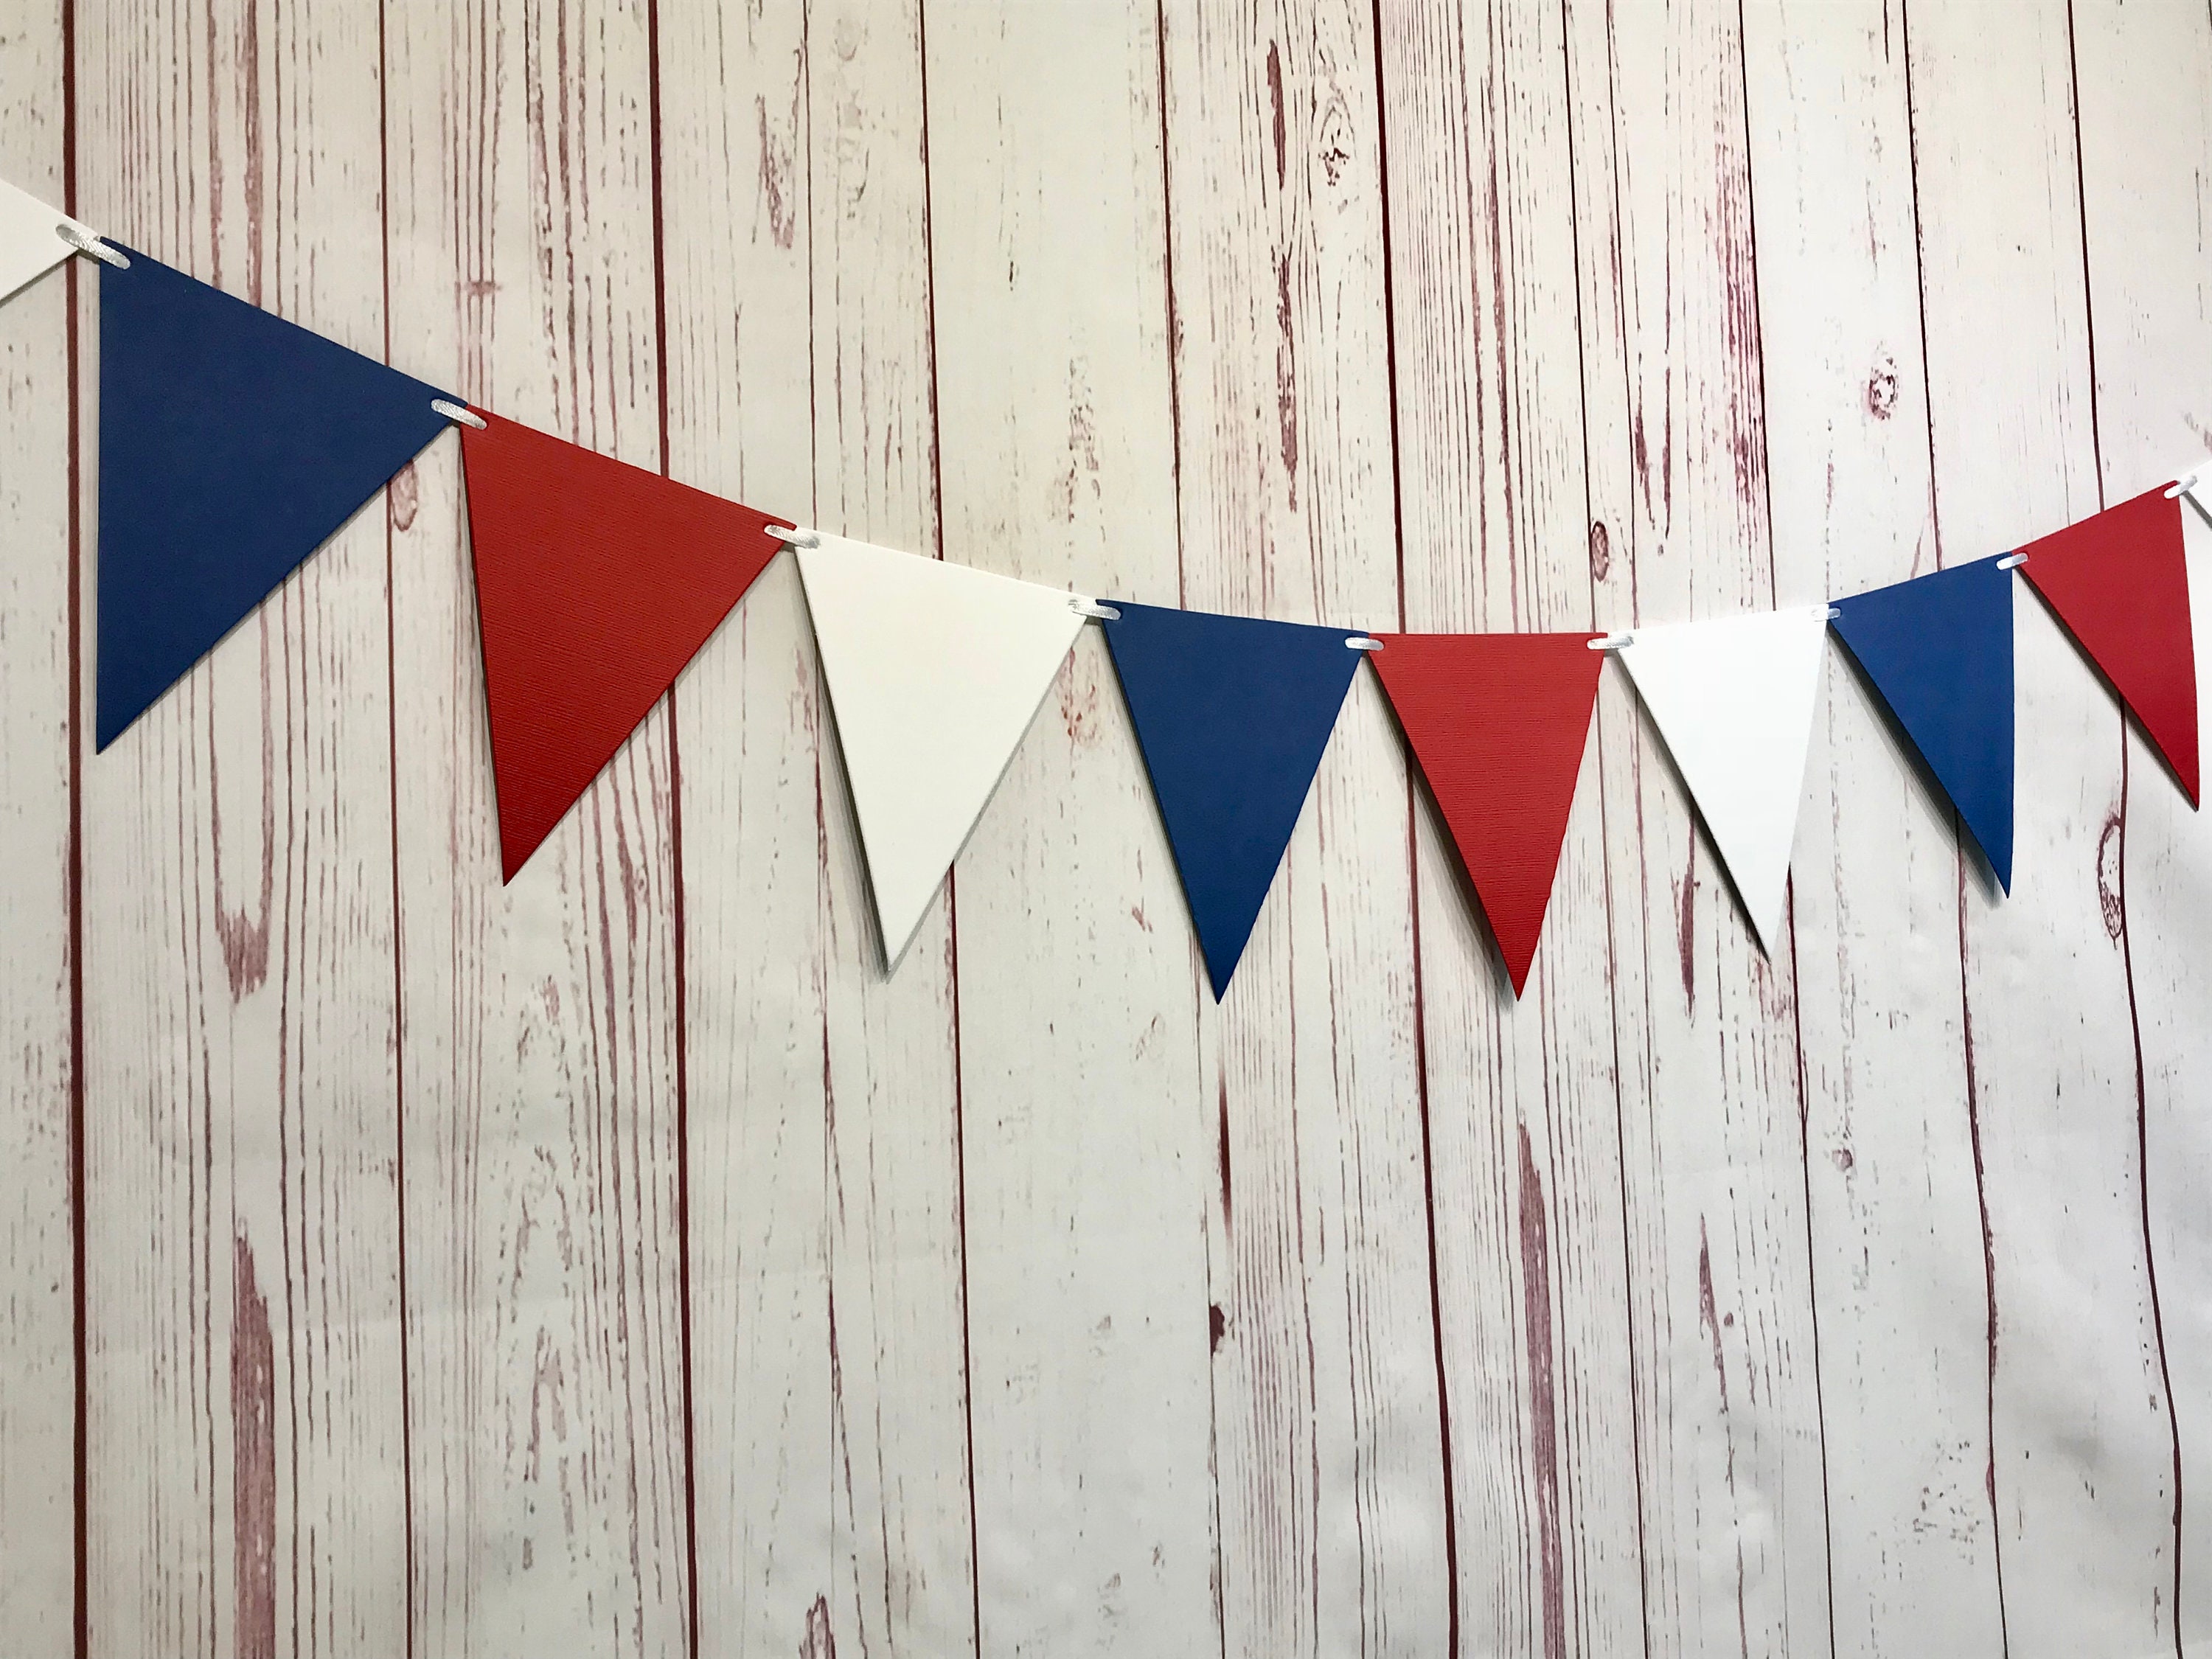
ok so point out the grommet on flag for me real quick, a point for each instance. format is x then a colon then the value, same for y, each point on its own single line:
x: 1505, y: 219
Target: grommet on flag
x: 460, y: 414
x: 78, y: 238
x: 34, y: 238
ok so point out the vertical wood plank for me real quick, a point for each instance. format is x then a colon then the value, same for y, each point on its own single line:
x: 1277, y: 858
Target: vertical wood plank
x: 1327, y: 1406
x: 245, y: 1421
x: 1728, y: 1416
x: 736, y: 198
x: 2082, y: 1466
x: 1525, y: 1160
x: 540, y: 1079
x: 1896, y: 1238
x: 2143, y: 78
x: 903, y: 1562
x: 38, y: 1320
x: 1087, y: 1136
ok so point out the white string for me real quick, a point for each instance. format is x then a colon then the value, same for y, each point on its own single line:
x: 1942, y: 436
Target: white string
x: 2012, y: 561
x: 1611, y: 642
x: 1363, y: 642
x: 1083, y: 607
x: 91, y: 244
x: 460, y: 412
x: 792, y: 536
x: 2185, y: 485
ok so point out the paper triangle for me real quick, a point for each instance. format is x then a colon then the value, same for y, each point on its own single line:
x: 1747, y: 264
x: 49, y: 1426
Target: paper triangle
x: 2119, y: 583
x: 28, y: 247
x: 596, y: 582
x: 1938, y: 650
x: 1498, y: 723
x: 232, y: 445
x: 1232, y: 714
x: 1734, y: 699
x: 935, y: 672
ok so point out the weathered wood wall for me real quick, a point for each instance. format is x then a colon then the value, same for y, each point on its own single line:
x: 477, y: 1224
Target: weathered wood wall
x: 616, y: 1262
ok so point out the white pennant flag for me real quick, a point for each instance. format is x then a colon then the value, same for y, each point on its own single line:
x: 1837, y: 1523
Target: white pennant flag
x: 28, y: 245
x: 1734, y: 699
x: 935, y: 672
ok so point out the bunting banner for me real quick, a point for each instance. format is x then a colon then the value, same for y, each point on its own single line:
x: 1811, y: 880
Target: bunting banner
x: 34, y: 239
x: 1232, y: 714
x: 1498, y: 723
x: 1734, y: 699
x: 596, y: 583
x: 1938, y: 651
x: 233, y: 444
x: 935, y: 672
x: 2120, y: 583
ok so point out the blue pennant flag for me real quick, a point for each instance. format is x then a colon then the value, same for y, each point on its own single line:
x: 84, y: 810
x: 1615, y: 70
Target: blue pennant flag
x: 1939, y: 651
x: 232, y: 445
x: 1232, y: 714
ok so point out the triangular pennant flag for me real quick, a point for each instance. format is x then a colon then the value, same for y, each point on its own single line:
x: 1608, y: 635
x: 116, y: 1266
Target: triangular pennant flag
x: 935, y: 672
x: 29, y: 244
x: 1498, y: 723
x: 233, y: 444
x: 2120, y: 584
x: 1734, y: 699
x: 596, y: 582
x: 1939, y: 651
x: 1232, y: 714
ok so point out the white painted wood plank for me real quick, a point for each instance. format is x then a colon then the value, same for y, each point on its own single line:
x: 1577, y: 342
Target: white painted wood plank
x: 1896, y: 1237
x: 2144, y: 101
x: 1087, y: 1135
x: 38, y: 1320
x: 245, y: 1432
x: 1326, y: 1405
x: 736, y: 256
x: 539, y: 1044
x: 1522, y: 1124
x: 903, y: 1561
x: 1727, y: 1420
x: 2083, y: 1449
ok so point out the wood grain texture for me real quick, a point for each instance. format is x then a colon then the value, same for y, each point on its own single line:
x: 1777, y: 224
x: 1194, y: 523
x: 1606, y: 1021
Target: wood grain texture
x: 1088, y: 1132
x: 1523, y: 1147
x: 2144, y: 87
x: 736, y: 257
x: 2086, y: 1533
x: 903, y: 1564
x: 1727, y: 1424
x: 1890, y: 1173
x: 548, y: 1468
x: 1326, y: 1410
x: 619, y: 1261
x: 37, y: 1324
x: 243, y: 1481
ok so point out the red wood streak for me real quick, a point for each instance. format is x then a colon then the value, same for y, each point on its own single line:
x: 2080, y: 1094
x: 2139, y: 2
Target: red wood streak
x: 81, y: 1599
x: 253, y: 1459
x: 1543, y: 1400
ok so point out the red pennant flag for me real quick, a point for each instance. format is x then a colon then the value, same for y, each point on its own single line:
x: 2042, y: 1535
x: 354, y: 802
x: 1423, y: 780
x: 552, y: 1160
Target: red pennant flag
x: 2119, y: 584
x: 596, y: 582
x: 1498, y: 723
